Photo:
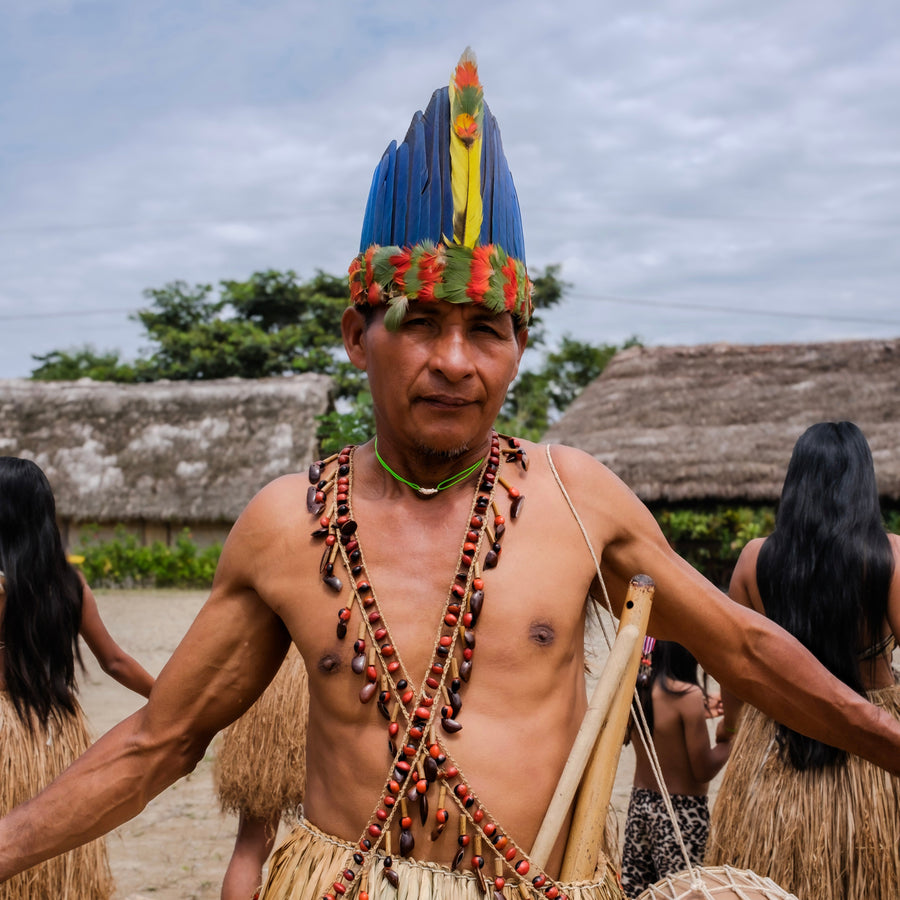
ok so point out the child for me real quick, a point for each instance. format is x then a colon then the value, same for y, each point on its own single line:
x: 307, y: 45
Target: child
x: 260, y: 773
x: 676, y: 708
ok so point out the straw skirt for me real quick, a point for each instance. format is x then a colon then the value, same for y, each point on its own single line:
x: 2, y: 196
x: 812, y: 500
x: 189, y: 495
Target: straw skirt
x: 260, y: 767
x: 309, y: 861
x: 28, y: 763
x: 832, y: 834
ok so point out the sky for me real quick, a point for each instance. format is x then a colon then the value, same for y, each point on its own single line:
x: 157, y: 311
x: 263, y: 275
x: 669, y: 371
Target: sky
x: 701, y: 170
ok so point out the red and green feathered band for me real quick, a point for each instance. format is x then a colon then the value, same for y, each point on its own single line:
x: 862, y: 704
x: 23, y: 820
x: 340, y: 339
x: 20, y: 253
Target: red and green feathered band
x: 426, y: 272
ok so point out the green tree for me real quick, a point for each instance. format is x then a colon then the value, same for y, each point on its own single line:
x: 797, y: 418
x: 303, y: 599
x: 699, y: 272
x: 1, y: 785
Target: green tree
x: 81, y: 362
x: 271, y: 324
x: 548, y: 291
x: 539, y: 397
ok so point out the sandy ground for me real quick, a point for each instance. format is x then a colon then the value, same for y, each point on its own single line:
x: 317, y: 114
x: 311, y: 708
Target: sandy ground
x: 179, y: 846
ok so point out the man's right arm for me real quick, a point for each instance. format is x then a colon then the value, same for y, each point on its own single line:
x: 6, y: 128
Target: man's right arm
x: 228, y: 656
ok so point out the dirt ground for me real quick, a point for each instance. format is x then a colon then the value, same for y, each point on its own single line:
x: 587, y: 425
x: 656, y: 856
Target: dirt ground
x: 179, y: 846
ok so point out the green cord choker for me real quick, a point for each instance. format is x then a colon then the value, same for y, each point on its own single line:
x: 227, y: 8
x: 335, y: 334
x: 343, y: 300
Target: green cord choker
x: 429, y: 492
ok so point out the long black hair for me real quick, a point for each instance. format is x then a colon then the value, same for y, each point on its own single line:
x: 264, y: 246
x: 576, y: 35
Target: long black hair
x: 825, y: 571
x: 669, y: 661
x: 42, y: 610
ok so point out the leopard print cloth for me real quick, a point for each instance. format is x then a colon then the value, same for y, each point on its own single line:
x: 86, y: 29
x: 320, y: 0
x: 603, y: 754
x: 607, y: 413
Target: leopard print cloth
x: 651, y: 850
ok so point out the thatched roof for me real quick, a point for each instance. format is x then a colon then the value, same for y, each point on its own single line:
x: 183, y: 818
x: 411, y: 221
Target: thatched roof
x: 718, y: 421
x: 167, y: 451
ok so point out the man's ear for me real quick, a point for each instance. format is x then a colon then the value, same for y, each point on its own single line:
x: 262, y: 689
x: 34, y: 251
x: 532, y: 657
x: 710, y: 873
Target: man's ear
x: 353, y: 331
x: 522, y: 341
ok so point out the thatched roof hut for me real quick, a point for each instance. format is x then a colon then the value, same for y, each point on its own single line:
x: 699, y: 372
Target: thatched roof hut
x: 172, y: 453
x: 717, y: 422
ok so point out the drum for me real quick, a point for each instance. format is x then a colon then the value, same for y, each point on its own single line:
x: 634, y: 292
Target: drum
x: 715, y: 883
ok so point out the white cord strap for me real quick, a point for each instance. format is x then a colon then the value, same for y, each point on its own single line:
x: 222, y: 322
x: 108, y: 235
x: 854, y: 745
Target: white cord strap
x: 637, y: 711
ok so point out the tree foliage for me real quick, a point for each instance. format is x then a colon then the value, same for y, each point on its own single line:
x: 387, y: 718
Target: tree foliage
x: 81, y: 362
x: 539, y: 397
x: 271, y: 324
x: 275, y: 324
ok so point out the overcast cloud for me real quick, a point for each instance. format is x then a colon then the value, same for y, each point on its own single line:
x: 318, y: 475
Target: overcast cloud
x: 703, y: 171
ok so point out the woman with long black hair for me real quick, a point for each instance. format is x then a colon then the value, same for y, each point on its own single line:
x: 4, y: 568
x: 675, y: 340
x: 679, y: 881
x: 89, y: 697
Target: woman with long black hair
x: 820, y: 823
x: 44, y: 606
x: 675, y: 704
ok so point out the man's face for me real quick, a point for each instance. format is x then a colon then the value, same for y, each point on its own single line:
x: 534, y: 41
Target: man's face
x: 438, y: 382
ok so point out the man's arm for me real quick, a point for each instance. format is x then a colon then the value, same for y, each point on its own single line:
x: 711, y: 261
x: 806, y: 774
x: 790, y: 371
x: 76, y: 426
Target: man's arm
x: 224, y: 662
x: 744, y: 651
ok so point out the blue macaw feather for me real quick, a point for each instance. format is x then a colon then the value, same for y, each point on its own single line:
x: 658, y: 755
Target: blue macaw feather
x: 518, y: 230
x: 431, y: 191
x: 488, y: 168
x: 417, y: 207
x: 368, y: 225
x: 442, y: 136
x: 380, y: 199
x: 401, y: 195
x: 384, y: 213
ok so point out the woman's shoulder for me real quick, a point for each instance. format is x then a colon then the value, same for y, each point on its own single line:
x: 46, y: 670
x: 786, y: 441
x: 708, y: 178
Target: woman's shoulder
x: 750, y: 552
x: 675, y: 689
x: 684, y: 700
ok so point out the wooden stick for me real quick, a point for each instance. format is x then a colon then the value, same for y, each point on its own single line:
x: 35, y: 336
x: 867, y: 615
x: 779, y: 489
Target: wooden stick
x: 589, y: 820
x: 624, y: 657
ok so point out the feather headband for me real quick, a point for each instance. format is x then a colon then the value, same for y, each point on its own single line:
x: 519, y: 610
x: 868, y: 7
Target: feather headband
x: 442, y: 220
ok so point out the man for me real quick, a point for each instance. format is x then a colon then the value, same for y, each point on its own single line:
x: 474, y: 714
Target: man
x: 441, y: 619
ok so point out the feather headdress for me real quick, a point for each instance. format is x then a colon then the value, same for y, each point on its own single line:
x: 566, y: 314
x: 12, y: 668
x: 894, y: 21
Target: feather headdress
x: 442, y: 221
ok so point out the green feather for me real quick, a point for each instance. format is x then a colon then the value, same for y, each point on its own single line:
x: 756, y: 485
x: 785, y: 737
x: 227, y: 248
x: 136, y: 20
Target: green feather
x: 397, y: 307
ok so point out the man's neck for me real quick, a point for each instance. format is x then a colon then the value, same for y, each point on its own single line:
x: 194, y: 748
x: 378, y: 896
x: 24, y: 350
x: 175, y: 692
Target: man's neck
x: 426, y: 470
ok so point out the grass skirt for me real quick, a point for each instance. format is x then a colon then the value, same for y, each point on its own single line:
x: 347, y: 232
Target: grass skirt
x: 832, y: 834
x: 28, y: 763
x: 308, y: 862
x: 260, y: 766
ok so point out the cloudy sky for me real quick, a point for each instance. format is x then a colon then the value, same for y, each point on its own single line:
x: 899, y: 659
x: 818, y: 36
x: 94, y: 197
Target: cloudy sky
x: 703, y: 170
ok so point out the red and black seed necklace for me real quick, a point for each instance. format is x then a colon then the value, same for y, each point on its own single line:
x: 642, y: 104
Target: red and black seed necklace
x: 419, y: 760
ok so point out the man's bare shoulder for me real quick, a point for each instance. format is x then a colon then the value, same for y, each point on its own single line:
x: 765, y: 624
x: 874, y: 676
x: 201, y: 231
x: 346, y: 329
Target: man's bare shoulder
x: 277, y: 507
x: 570, y: 462
x: 287, y: 492
x: 592, y: 481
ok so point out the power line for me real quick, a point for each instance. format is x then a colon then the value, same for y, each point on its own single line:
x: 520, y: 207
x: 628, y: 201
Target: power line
x: 732, y: 311
x: 576, y: 295
x: 68, y: 314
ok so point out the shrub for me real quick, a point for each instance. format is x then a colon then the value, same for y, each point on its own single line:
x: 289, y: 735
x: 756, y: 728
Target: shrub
x: 124, y: 563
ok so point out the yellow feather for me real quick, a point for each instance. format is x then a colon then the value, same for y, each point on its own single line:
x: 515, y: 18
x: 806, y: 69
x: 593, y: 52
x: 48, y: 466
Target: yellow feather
x: 465, y: 152
x: 474, y: 211
x: 459, y: 181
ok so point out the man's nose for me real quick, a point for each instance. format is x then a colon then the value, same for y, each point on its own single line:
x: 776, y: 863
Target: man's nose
x: 451, y: 355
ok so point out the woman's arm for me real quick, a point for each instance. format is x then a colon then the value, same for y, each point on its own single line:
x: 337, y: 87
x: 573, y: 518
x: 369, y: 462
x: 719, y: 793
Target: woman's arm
x: 893, y: 611
x: 742, y: 589
x: 705, y: 761
x: 112, y: 658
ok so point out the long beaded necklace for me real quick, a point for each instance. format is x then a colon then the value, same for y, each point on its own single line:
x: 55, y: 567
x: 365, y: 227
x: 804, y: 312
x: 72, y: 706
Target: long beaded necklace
x: 419, y: 760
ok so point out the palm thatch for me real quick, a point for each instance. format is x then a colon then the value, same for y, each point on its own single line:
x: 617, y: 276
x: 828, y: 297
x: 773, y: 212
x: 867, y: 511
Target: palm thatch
x: 718, y: 421
x: 176, y: 451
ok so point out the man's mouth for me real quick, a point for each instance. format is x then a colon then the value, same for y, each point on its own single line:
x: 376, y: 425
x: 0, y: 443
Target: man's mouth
x: 448, y: 400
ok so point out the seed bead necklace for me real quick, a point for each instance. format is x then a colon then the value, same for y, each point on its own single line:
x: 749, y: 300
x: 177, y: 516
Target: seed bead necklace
x: 430, y: 492
x: 419, y: 759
